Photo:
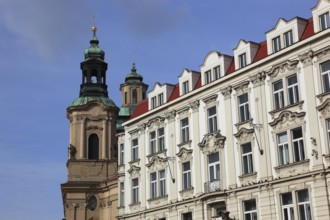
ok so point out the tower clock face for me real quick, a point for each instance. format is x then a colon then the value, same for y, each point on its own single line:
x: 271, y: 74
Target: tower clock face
x: 92, y: 203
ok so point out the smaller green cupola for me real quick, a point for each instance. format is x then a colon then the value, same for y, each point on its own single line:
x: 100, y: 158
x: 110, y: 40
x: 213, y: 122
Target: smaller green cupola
x: 133, y: 76
x: 94, y: 51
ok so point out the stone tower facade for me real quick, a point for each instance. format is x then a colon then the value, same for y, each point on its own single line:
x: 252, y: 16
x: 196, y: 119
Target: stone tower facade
x: 90, y: 192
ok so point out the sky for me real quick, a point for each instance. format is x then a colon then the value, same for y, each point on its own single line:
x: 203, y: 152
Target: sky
x: 41, y: 47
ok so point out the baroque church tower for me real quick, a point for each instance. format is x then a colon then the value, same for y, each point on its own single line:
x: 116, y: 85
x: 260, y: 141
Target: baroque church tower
x: 90, y: 192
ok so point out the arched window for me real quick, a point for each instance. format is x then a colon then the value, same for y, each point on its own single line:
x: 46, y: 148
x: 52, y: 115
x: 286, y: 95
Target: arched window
x: 134, y: 96
x: 93, y: 147
x: 125, y: 97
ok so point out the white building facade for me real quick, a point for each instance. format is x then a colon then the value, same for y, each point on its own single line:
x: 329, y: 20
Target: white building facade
x: 249, y: 134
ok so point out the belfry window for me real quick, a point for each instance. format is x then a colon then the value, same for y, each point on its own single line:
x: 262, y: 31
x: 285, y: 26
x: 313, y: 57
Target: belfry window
x: 93, y: 147
x: 134, y: 96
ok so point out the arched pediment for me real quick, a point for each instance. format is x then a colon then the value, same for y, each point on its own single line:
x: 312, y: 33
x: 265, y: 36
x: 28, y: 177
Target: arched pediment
x: 157, y: 163
x: 185, y: 154
x: 212, y: 142
x: 155, y: 122
x: 244, y: 135
x: 134, y: 170
x: 282, y: 67
x: 324, y: 108
x: 287, y: 118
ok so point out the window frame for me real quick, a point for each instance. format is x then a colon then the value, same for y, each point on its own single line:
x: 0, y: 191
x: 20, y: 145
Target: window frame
x: 251, y: 212
x: 214, y: 168
x: 303, y: 203
x: 158, y: 184
x: 324, y: 21
x: 121, y: 154
x: 217, y: 72
x: 153, y: 102
x: 243, y: 107
x: 325, y: 87
x: 208, y: 76
x: 242, y: 60
x: 160, y: 99
x: 135, y: 149
x: 184, y: 128
x: 185, y: 87
x: 287, y: 209
x: 135, y: 190
x: 186, y: 176
x: 152, y: 142
x: 212, y: 119
x: 247, y: 164
x: 276, y: 43
x: 288, y: 38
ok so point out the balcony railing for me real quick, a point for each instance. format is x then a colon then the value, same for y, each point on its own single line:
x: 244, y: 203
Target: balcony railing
x: 212, y: 186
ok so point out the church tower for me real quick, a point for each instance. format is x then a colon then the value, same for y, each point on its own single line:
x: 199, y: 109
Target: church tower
x: 90, y: 192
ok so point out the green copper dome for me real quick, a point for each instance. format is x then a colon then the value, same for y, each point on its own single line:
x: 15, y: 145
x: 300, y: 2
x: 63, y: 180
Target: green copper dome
x: 133, y: 76
x: 94, y: 51
x: 84, y: 100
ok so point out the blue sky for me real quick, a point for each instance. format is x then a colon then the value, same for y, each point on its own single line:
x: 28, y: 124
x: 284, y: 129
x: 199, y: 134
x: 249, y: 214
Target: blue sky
x: 42, y: 43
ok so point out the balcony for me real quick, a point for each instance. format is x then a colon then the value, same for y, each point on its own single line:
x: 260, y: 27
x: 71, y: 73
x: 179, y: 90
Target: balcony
x: 212, y: 186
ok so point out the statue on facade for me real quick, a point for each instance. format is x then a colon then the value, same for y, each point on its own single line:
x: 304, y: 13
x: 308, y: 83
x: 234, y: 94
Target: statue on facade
x: 72, y: 152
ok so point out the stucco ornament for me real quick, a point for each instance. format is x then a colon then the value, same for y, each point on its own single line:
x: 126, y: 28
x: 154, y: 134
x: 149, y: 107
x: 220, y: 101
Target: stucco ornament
x: 212, y: 142
x: 156, y: 163
x: 287, y: 118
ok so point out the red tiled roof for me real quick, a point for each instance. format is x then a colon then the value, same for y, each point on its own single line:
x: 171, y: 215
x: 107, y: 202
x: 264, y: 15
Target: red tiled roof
x: 231, y: 68
x: 262, y: 51
x: 261, y: 54
x: 309, y: 30
x: 175, y: 93
x: 141, y: 108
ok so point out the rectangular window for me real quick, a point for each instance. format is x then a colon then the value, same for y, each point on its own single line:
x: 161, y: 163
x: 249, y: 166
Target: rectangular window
x: 161, y: 139
x: 153, y: 146
x: 121, y: 156
x: 187, y: 216
x: 216, y: 72
x: 184, y: 130
x: 250, y: 210
x: 153, y: 103
x: 186, y: 176
x: 283, y: 149
x: 135, y: 149
x: 135, y: 190
x: 212, y: 119
x: 324, y: 21
x: 288, y: 38
x: 185, y: 87
x: 214, y: 167
x: 242, y: 60
x: 293, y: 93
x: 325, y: 72
x: 328, y: 131
x: 304, y: 209
x: 278, y: 94
x: 287, y: 206
x: 298, y: 144
x: 162, y: 183
x: 243, y: 105
x: 276, y: 44
x: 208, y: 77
x: 122, y: 194
x: 247, y: 160
x: 153, y: 185
x: 160, y: 99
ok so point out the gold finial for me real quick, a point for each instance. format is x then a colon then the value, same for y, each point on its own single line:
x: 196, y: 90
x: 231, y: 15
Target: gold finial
x: 94, y: 27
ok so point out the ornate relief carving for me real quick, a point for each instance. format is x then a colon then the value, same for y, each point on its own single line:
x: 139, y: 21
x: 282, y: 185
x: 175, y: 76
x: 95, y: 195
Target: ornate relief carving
x: 244, y: 135
x: 324, y: 108
x: 194, y: 105
x: 292, y: 169
x: 212, y: 142
x: 287, y: 118
x: 210, y: 99
x: 184, y: 154
x: 241, y: 87
x: 183, y: 111
x: 134, y: 171
x: 226, y: 92
x: 170, y: 115
x: 258, y: 79
x: 306, y: 58
x: 322, y: 53
x: 282, y: 67
x: 94, y: 127
x: 155, y: 122
x: 156, y: 163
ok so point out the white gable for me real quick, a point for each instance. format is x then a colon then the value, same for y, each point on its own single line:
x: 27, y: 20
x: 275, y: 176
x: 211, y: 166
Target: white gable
x: 249, y: 48
x: 188, y: 76
x: 322, y: 6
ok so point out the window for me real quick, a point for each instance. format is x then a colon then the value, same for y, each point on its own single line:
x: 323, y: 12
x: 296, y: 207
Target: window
x: 287, y: 206
x: 212, y: 119
x: 93, y: 147
x: 288, y: 38
x: 324, y: 21
x: 216, y: 72
x: 250, y: 210
x: 291, y: 152
x: 160, y: 99
x: 242, y: 60
x: 135, y: 190
x: 208, y: 76
x: 276, y: 44
x: 187, y: 216
x: 184, y: 130
x: 157, y: 184
x: 161, y: 139
x: 134, y: 96
x: 186, y: 176
x: 304, y: 208
x: 247, y: 161
x: 214, y: 167
x: 288, y: 96
x: 153, y: 103
x: 153, y: 142
x: 243, y: 105
x: 328, y: 131
x: 185, y: 87
x: 121, y: 156
x: 135, y: 149
x: 325, y: 72
x: 122, y: 194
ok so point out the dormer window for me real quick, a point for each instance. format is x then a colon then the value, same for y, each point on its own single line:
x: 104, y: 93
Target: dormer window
x: 242, y: 60
x: 324, y: 21
x: 208, y: 77
x: 153, y: 102
x: 160, y: 99
x: 159, y: 95
x: 288, y: 38
x: 185, y: 87
x: 276, y: 44
x: 216, y: 72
